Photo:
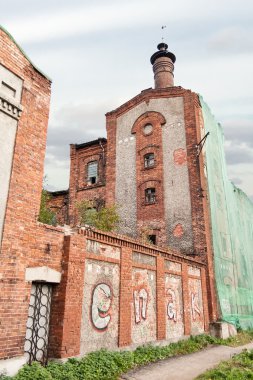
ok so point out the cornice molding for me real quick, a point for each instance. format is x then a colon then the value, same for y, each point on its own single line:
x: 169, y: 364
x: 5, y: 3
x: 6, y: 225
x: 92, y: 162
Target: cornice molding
x: 10, y: 107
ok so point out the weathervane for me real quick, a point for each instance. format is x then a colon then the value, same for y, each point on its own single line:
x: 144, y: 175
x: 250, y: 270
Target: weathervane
x: 163, y: 27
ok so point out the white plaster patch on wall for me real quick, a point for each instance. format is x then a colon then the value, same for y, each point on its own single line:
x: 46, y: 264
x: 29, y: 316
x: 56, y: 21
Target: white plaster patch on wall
x: 193, y: 271
x: 173, y: 266
x: 11, y: 87
x: 101, y: 249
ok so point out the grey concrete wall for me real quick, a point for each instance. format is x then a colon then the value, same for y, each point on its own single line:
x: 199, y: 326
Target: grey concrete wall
x: 176, y: 181
x: 10, y: 95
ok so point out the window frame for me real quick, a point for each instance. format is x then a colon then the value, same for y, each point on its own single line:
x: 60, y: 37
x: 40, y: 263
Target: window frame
x: 147, y: 160
x: 150, y: 196
x: 90, y: 182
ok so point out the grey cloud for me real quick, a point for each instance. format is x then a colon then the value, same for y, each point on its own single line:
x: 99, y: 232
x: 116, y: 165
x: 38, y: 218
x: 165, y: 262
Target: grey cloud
x: 72, y: 124
x: 237, y: 181
x: 232, y: 39
x: 239, y: 131
x: 237, y: 154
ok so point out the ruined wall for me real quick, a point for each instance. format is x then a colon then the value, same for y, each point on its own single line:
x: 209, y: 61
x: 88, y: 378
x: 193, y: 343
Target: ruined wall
x: 58, y: 202
x: 127, y: 294
x: 79, y: 188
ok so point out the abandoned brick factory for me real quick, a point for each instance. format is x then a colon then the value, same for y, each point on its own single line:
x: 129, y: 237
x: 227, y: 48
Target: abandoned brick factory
x: 66, y: 290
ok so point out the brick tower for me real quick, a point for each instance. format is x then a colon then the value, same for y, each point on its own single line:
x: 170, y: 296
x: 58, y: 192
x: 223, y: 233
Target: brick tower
x: 152, y: 162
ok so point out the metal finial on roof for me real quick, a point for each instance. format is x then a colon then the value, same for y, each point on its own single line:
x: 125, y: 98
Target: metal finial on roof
x: 163, y: 27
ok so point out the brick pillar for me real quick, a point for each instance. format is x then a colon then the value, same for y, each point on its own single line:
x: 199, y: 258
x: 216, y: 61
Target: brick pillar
x: 186, y: 300
x: 160, y: 292
x: 205, y: 298
x: 66, y: 313
x: 125, y: 325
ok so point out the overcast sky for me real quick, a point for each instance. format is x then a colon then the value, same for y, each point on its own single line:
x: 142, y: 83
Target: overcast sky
x: 97, y: 54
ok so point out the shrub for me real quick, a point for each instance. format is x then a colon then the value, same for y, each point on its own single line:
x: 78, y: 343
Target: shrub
x: 102, y: 218
x: 46, y: 215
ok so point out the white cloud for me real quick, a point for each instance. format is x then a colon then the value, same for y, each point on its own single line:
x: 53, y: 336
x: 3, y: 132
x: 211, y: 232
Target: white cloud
x: 97, y: 54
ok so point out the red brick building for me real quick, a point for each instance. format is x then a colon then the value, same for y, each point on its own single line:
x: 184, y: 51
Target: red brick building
x: 52, y: 279
x: 149, y: 165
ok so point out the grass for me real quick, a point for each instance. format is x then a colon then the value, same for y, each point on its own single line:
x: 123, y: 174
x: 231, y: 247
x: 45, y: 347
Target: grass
x: 109, y: 365
x: 240, y: 367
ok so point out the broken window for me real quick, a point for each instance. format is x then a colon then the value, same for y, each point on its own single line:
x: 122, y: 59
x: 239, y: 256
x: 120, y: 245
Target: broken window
x: 92, y: 172
x: 150, y: 196
x: 152, y: 239
x: 149, y: 160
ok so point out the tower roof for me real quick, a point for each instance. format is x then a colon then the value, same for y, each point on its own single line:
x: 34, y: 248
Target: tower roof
x: 162, y: 52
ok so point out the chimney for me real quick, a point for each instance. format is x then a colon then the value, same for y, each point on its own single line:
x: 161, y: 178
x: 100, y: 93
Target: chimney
x: 163, y: 66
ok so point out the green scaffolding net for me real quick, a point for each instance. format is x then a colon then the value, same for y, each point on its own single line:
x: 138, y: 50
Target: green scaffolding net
x: 232, y: 231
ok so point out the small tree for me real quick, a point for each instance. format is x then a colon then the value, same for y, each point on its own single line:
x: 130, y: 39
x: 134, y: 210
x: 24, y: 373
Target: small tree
x: 46, y: 215
x: 102, y: 218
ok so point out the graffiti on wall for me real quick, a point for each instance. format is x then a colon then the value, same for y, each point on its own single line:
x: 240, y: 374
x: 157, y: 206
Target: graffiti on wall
x: 197, y: 315
x: 100, y: 310
x: 140, y: 304
x: 174, y: 306
x: 143, y: 306
x: 195, y: 306
x: 171, y: 306
x: 101, y: 305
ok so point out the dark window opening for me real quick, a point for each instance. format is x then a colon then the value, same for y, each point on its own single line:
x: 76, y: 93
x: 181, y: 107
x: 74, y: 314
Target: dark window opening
x: 150, y: 196
x: 152, y: 239
x: 92, y: 173
x: 149, y: 160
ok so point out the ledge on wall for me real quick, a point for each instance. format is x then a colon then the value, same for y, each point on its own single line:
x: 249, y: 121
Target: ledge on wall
x: 44, y: 274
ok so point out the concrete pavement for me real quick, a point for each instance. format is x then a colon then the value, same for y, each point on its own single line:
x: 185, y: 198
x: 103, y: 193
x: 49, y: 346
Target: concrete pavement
x: 186, y: 367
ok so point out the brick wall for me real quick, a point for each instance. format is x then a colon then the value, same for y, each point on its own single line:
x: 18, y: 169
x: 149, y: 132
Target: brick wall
x: 118, y: 292
x: 25, y: 243
x: 79, y: 188
x: 58, y: 202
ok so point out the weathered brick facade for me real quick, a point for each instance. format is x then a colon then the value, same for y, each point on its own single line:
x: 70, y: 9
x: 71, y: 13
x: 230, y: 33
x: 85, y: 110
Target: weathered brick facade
x: 25, y: 243
x: 157, y: 290
x: 149, y: 292
x: 58, y: 202
x: 166, y: 123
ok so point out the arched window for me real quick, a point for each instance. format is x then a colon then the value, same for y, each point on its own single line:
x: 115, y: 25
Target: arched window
x: 149, y: 160
x: 92, y: 172
x: 150, y: 196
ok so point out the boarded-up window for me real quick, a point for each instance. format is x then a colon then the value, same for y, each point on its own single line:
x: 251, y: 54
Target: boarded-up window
x: 92, y: 172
